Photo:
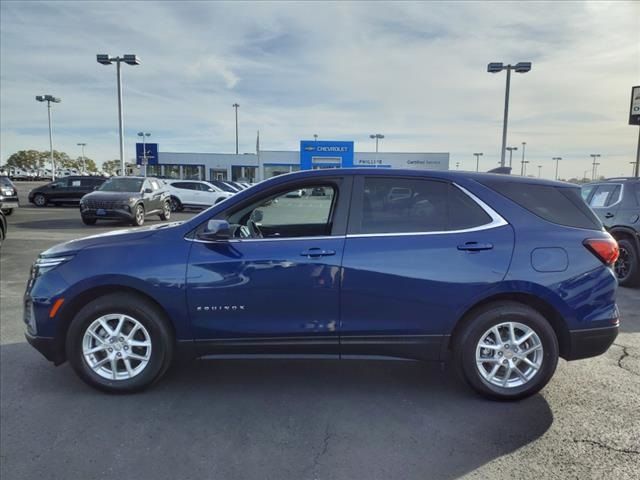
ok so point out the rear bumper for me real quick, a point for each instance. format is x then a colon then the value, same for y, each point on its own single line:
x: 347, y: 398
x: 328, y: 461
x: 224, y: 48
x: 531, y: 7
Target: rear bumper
x: 590, y: 342
x: 47, y: 347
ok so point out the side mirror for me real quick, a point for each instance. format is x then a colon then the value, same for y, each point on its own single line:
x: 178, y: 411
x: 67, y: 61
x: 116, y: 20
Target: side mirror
x: 148, y: 190
x: 216, y: 230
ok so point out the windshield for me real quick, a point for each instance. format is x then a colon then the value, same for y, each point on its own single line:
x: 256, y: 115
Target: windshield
x: 122, y: 185
x: 5, y: 182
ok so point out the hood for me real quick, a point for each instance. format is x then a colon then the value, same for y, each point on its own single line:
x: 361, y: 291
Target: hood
x: 98, y: 195
x: 110, y: 238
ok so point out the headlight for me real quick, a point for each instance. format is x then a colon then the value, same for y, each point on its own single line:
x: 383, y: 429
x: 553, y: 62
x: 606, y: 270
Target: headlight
x: 7, y: 191
x: 45, y: 264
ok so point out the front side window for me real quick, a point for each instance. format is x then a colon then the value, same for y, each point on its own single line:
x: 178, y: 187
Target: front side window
x: 399, y: 205
x: 293, y: 213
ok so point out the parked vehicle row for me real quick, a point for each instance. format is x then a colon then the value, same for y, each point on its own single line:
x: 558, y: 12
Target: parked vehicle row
x: 194, y: 193
x: 20, y: 174
x: 501, y: 275
x: 68, y: 190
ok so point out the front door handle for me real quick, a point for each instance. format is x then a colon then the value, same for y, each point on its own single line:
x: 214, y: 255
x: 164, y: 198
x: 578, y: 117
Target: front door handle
x: 609, y: 215
x: 317, y: 252
x: 475, y: 246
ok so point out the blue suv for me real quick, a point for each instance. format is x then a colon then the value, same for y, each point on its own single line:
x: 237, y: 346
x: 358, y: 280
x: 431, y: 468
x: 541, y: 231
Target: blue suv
x: 502, y: 275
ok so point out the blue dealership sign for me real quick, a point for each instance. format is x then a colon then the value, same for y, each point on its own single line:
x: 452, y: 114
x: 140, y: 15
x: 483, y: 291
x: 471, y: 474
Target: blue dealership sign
x: 325, y: 154
x: 152, y: 153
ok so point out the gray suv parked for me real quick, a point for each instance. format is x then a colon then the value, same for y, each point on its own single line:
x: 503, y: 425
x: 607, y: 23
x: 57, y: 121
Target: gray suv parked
x: 617, y: 202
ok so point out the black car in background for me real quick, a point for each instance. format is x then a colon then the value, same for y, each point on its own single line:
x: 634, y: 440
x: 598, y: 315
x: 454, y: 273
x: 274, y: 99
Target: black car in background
x: 64, y: 190
x: 617, y: 202
x: 8, y: 195
x: 130, y: 199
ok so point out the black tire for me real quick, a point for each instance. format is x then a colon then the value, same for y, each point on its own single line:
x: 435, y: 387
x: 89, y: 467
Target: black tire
x: 146, y: 313
x: 7, y: 211
x: 89, y: 220
x: 176, y: 205
x: 166, y: 210
x: 474, y: 328
x: 39, y: 200
x: 138, y: 215
x: 627, y: 267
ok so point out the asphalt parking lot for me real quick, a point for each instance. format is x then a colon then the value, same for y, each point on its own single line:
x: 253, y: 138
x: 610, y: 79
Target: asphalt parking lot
x: 301, y: 419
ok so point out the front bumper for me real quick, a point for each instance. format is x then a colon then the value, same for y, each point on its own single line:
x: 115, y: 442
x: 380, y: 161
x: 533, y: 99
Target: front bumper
x: 590, y: 342
x: 48, y: 347
x: 9, y: 202
x: 108, y: 213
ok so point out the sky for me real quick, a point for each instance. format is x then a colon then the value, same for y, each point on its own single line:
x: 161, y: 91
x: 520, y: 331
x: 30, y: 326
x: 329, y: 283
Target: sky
x: 415, y: 72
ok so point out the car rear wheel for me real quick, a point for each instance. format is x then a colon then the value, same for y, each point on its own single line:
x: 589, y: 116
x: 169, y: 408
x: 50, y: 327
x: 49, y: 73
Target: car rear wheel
x: 506, y: 351
x: 176, y: 205
x: 119, y: 343
x: 88, y: 221
x: 166, y: 210
x: 39, y: 200
x: 627, y: 266
x: 138, y: 215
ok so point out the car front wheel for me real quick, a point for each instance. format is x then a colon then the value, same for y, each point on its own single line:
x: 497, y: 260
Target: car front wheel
x: 506, y: 351
x: 176, y: 205
x: 119, y: 343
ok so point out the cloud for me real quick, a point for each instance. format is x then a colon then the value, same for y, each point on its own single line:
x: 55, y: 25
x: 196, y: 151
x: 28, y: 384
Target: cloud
x: 413, y: 71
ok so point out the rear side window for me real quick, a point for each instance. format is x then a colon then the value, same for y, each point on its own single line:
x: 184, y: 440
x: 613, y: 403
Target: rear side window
x: 398, y: 205
x: 605, y: 195
x: 561, y: 205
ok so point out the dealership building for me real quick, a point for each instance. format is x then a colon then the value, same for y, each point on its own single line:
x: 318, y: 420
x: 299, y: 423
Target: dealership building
x: 254, y: 167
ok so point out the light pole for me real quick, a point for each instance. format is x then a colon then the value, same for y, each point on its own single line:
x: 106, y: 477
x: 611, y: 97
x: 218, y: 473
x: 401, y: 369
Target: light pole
x: 478, y: 155
x: 495, y: 67
x: 511, y: 150
x: 539, y: 171
x: 144, y: 150
x: 457, y: 165
x: 557, y: 160
x: 595, y: 169
x: 84, y: 165
x: 129, y: 59
x: 236, y: 105
x: 377, y: 136
x: 593, y: 165
x: 524, y: 144
x: 524, y: 167
x: 49, y: 99
x: 315, y: 137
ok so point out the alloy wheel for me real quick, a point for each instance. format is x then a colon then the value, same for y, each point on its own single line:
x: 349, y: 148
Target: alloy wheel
x: 39, y: 200
x: 622, y: 266
x: 116, y: 347
x: 509, y: 354
x: 139, y: 215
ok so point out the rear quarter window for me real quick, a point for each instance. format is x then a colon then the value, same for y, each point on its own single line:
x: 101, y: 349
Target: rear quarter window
x: 561, y: 205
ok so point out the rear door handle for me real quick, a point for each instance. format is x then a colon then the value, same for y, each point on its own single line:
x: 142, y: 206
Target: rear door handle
x: 317, y: 252
x: 475, y: 246
x: 609, y: 215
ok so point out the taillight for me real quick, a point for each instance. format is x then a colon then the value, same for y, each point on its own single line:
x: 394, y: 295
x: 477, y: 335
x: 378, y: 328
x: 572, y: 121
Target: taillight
x: 606, y: 249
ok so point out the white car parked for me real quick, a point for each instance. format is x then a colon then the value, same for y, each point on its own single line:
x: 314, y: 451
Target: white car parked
x: 194, y: 193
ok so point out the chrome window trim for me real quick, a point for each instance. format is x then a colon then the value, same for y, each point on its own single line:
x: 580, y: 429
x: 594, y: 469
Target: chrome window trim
x: 496, y: 221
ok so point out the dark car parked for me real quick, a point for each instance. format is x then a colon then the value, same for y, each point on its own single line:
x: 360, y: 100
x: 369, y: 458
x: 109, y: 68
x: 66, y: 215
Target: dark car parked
x: 500, y: 274
x: 126, y: 198
x: 8, y: 195
x: 616, y: 201
x: 64, y: 190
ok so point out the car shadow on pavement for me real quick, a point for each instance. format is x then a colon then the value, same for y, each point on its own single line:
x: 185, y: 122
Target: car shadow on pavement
x: 263, y: 419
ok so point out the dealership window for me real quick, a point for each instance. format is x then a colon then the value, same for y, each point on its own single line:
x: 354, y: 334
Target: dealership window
x: 191, y: 172
x: 393, y: 205
x: 243, y: 174
x: 172, y: 171
x: 273, y: 170
x: 153, y: 170
x: 217, y: 174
